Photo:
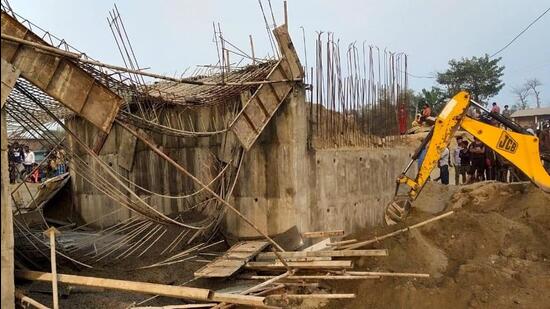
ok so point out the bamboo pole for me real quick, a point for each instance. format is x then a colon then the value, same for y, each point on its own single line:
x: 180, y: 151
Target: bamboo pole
x: 268, y: 282
x: 326, y: 253
x: 252, y: 50
x: 27, y: 300
x: 146, y: 288
x: 51, y: 233
x: 400, y: 231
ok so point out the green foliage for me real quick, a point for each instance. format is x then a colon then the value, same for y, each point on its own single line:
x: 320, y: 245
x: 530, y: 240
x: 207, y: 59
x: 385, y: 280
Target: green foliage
x: 435, y: 97
x: 480, y: 76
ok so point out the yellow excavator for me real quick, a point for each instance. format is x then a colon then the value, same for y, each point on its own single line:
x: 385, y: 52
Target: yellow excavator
x: 512, y: 142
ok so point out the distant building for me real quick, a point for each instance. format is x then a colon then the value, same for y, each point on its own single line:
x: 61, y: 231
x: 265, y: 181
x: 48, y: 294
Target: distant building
x: 531, y: 118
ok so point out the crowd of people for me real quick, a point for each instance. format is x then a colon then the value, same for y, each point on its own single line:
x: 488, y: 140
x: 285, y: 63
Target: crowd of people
x: 23, y: 165
x: 473, y: 162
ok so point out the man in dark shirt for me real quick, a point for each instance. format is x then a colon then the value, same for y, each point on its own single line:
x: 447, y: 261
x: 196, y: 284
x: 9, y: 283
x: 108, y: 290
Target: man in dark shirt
x: 477, y: 158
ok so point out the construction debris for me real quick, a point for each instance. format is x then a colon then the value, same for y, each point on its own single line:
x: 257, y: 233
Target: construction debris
x: 172, y: 181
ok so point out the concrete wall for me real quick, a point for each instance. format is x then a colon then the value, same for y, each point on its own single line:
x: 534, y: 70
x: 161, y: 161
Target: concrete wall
x: 148, y: 171
x: 285, y: 184
x: 350, y: 188
x: 282, y: 183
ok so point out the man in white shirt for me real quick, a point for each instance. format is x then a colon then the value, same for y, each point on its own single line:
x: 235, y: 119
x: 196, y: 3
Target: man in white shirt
x: 443, y: 165
x: 29, y: 160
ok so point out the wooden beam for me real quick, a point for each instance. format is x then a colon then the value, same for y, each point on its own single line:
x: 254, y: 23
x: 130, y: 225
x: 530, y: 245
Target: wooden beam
x: 386, y: 274
x: 301, y: 265
x: 327, y: 253
x: 333, y: 233
x: 321, y: 245
x: 341, y: 243
x: 146, y: 288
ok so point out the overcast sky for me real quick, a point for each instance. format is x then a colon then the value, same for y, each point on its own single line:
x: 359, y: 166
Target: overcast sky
x: 169, y: 36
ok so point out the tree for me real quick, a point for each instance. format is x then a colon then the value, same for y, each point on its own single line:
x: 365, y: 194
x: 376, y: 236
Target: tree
x: 532, y: 85
x: 435, y: 97
x: 481, y: 76
x: 522, y: 93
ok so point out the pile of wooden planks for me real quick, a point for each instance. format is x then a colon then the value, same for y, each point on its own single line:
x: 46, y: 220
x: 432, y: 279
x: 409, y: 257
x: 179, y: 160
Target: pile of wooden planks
x: 282, y: 273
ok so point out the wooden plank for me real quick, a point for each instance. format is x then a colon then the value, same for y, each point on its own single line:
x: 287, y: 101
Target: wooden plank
x: 146, y: 288
x: 296, y: 259
x: 248, y: 246
x: 321, y: 245
x: 333, y: 233
x: 288, y: 51
x: 327, y: 253
x: 269, y: 97
x: 9, y: 76
x: 59, y: 77
x: 302, y: 265
x: 235, y: 258
x: 226, y: 263
x: 343, y: 242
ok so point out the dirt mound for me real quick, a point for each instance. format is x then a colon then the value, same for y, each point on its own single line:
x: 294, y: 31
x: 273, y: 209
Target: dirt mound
x: 492, y: 253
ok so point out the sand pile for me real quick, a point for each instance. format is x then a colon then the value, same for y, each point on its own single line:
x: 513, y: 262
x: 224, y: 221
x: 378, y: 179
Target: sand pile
x: 494, y: 252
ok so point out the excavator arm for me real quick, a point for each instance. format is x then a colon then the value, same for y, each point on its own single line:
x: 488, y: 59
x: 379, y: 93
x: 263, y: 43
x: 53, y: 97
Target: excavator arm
x: 515, y: 145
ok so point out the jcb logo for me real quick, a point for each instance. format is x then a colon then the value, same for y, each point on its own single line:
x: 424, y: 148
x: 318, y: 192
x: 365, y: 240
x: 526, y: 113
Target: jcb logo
x: 507, y: 143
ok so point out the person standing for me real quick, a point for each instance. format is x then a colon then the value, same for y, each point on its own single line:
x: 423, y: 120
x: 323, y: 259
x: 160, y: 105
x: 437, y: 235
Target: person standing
x: 443, y: 165
x: 426, y: 112
x: 18, y: 156
x: 465, y: 161
x: 495, y: 109
x: 477, y: 158
x: 29, y: 160
x: 506, y: 112
x: 544, y: 144
x: 456, y: 160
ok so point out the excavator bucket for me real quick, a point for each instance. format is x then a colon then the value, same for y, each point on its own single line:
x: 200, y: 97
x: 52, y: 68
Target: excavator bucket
x: 397, y: 210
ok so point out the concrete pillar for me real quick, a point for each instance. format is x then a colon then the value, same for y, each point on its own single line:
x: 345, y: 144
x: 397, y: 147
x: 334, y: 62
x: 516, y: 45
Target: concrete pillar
x: 7, y: 286
x: 272, y: 184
